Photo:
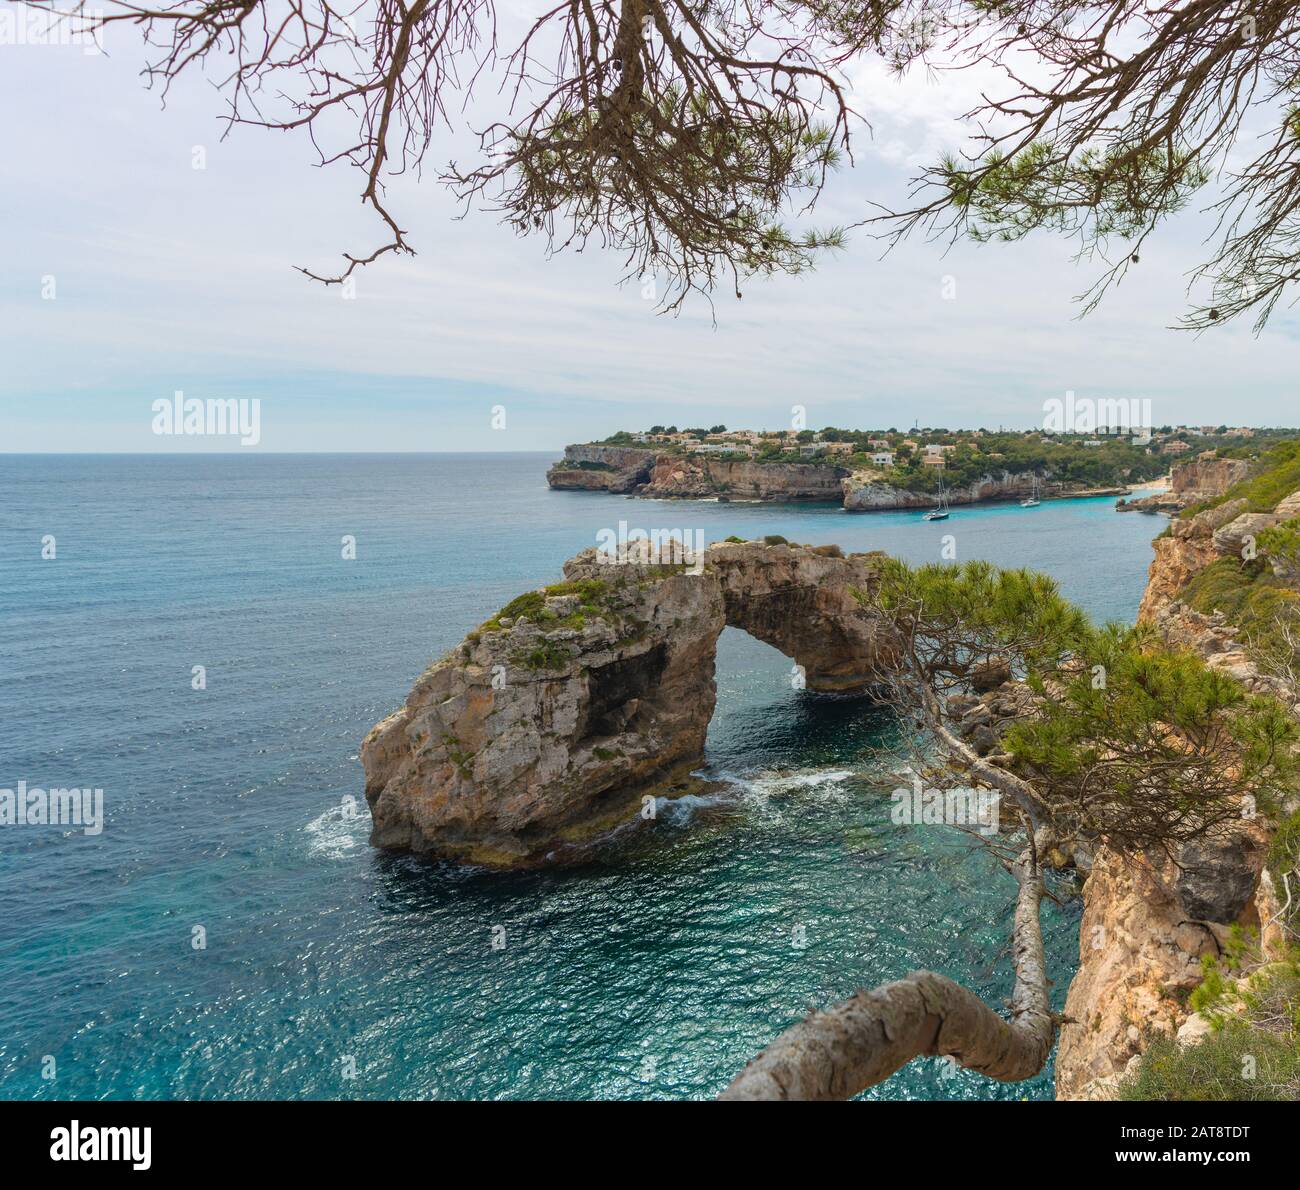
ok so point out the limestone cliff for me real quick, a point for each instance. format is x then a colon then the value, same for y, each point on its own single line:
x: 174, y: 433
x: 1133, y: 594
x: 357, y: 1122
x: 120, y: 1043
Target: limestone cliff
x: 1190, y: 483
x: 664, y: 474
x: 1181, y: 554
x: 552, y: 722
x: 1202, y: 478
x: 1146, y: 921
x: 743, y: 479
x: 1145, y: 927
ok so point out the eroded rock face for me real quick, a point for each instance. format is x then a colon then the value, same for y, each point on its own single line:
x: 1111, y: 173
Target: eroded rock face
x: 1230, y: 539
x: 1201, y: 478
x: 1145, y: 927
x: 700, y: 476
x: 1217, y: 877
x: 549, y: 724
x: 800, y: 600
x: 1185, y: 552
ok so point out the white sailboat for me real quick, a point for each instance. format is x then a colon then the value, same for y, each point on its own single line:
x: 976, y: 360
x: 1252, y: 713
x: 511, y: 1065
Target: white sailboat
x: 940, y: 511
x: 1033, y: 501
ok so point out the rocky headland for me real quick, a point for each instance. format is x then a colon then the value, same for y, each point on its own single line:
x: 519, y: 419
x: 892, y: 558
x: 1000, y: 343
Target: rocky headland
x: 596, y: 468
x: 1190, y: 483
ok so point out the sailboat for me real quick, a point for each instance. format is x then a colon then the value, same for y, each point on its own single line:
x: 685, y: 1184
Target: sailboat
x: 940, y: 511
x: 1033, y: 501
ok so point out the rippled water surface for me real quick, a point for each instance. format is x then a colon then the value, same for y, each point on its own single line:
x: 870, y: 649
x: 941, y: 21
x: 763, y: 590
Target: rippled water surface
x: 654, y: 970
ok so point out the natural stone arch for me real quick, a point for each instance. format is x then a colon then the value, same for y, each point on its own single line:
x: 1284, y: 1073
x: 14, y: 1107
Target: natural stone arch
x: 556, y: 719
x: 800, y: 601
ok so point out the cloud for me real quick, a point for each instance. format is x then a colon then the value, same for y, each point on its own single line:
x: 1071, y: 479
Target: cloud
x: 170, y: 277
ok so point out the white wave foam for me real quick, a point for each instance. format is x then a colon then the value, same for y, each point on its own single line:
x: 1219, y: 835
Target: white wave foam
x: 339, y: 831
x: 759, y: 791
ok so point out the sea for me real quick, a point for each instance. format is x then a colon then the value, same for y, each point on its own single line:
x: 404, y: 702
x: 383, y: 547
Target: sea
x: 189, y: 634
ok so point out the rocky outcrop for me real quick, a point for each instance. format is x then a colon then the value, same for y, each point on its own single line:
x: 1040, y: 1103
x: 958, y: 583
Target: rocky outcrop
x: 1190, y: 483
x: 1201, y: 479
x: 1180, y: 555
x: 1230, y: 540
x: 551, y: 723
x: 607, y: 468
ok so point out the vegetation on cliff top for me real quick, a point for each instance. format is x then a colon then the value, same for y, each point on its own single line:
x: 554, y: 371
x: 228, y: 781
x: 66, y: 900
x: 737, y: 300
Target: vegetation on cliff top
x: 1248, y: 592
x: 593, y: 594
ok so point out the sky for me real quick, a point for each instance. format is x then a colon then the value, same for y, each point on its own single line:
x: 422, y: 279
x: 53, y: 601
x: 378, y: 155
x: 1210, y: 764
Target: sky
x: 168, y: 278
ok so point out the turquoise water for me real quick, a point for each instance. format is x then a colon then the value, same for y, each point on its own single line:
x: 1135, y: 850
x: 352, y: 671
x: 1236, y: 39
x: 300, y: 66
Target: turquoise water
x: 655, y: 970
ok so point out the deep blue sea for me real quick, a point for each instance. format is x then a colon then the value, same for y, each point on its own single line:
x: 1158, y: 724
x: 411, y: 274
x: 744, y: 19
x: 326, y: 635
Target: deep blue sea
x: 331, y: 970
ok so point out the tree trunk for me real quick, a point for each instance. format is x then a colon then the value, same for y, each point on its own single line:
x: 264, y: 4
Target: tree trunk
x: 863, y: 1040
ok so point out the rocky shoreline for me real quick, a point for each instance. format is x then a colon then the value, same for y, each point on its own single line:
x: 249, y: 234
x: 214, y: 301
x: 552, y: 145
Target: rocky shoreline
x: 592, y: 467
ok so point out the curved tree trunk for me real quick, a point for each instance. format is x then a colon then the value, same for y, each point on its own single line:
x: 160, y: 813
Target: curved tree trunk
x: 863, y: 1040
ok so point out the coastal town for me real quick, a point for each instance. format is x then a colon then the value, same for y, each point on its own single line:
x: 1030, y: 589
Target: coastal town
x: 930, y: 447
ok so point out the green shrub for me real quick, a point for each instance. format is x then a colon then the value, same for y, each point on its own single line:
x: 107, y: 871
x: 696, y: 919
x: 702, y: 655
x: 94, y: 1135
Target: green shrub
x: 1245, y: 592
x: 547, y: 655
x: 1282, y: 542
x: 1218, y: 1067
x: 531, y: 605
x: 1253, y: 1051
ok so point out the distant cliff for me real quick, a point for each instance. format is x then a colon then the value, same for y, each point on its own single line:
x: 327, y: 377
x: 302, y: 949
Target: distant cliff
x: 1207, y: 477
x: 745, y: 479
x: 596, y: 468
x: 1190, y: 483
x: 593, y: 468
